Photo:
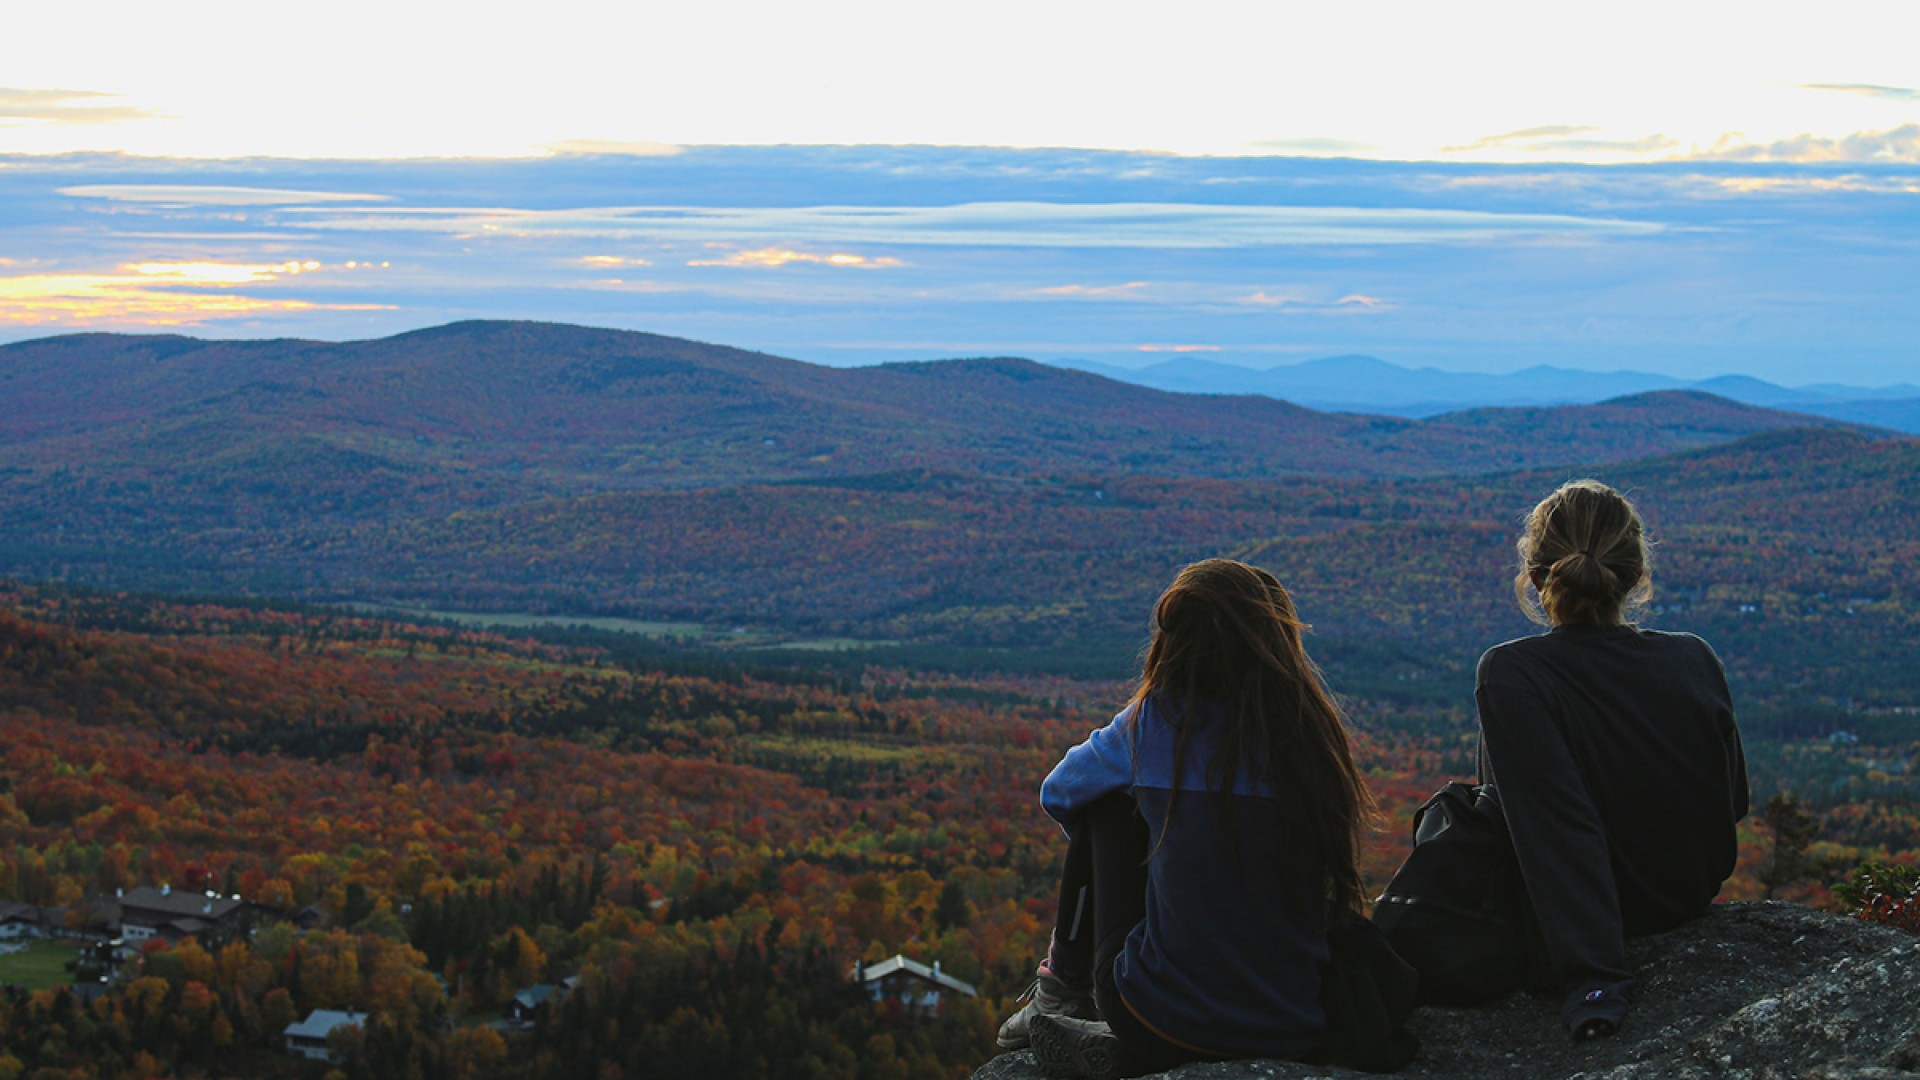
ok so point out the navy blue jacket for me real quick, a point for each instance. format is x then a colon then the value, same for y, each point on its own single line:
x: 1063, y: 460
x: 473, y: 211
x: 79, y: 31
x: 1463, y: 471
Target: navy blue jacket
x: 1228, y: 959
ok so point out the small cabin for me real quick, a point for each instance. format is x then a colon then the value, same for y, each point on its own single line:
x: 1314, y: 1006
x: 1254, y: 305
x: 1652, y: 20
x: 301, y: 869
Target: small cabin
x: 916, y: 986
x: 21, y: 921
x: 308, y: 1038
x: 535, y: 1001
x: 527, y: 1005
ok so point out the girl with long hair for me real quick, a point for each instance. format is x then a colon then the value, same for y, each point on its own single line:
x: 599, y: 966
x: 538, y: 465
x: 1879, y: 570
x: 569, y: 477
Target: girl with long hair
x: 1213, y: 839
x: 1613, y: 751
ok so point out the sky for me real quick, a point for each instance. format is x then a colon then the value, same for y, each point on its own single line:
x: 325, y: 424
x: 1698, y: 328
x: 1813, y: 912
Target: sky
x: 1699, y: 189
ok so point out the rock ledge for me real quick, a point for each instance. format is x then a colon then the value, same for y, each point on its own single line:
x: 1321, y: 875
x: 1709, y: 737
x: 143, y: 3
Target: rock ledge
x: 1754, y: 990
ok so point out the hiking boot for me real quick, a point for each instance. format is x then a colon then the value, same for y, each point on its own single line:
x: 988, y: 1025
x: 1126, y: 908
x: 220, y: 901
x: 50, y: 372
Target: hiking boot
x: 1048, y: 996
x: 1069, y: 1046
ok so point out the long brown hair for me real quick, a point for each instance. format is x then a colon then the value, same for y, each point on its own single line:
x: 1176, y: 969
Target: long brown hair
x: 1226, y: 633
x: 1585, y: 551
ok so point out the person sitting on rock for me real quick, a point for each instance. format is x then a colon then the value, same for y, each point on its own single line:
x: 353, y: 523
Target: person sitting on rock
x: 1613, y: 751
x: 1213, y: 832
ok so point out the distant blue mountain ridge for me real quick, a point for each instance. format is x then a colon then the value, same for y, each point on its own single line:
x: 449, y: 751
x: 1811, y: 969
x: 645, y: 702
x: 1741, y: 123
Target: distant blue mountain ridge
x: 1366, y: 384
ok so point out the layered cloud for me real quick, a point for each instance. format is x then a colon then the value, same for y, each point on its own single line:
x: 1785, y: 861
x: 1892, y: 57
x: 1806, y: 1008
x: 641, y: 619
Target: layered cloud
x: 212, y: 195
x: 998, y: 224
x: 1523, y: 137
x: 65, y: 107
x: 1887, y: 93
x: 1842, y: 183
x: 885, y: 253
x: 1124, y: 290
x: 772, y: 258
x: 155, y: 294
x: 1566, y: 141
x: 1899, y: 145
x: 1197, y: 296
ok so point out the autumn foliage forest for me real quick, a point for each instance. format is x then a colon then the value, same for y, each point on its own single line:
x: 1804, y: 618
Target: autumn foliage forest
x: 824, y: 744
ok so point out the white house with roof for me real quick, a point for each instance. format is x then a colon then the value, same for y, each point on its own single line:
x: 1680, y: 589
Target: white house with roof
x: 308, y: 1038
x: 913, y: 984
x: 21, y: 921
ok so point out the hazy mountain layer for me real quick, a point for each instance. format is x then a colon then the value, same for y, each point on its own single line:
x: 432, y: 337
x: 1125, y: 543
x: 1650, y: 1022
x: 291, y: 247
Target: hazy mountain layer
x: 1369, y: 385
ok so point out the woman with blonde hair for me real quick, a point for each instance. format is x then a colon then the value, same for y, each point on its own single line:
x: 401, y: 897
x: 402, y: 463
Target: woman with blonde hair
x: 1613, y: 751
x: 1213, y: 833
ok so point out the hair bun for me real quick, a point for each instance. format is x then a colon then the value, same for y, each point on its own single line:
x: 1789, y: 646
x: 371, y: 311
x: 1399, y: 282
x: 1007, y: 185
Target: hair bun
x: 1586, y: 548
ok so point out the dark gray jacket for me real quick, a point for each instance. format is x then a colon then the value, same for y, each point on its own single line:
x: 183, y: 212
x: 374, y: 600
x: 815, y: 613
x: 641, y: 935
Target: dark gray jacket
x: 1620, y: 769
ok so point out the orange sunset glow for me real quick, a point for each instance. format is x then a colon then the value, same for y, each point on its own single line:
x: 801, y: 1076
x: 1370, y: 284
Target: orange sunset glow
x: 153, y: 294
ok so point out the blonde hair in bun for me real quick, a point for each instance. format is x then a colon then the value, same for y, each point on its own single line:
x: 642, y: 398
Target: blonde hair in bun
x: 1584, y: 551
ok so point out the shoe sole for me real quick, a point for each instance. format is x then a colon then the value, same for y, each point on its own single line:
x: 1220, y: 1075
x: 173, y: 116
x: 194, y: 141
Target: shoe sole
x: 1085, y: 1010
x: 1023, y: 1042
x: 1060, y: 1051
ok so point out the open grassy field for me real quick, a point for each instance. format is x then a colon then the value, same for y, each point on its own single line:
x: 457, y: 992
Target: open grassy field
x: 691, y: 632
x: 516, y: 621
x: 42, y: 964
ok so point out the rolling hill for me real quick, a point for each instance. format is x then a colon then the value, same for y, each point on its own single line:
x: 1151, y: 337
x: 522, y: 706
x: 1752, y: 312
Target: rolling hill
x: 522, y: 406
x: 987, y: 504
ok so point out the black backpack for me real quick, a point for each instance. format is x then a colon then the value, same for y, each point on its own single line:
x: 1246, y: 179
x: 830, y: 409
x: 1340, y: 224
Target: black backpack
x: 1457, y: 909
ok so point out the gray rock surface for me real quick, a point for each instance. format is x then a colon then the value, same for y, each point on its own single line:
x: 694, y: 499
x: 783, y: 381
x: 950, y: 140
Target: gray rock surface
x: 1753, y: 991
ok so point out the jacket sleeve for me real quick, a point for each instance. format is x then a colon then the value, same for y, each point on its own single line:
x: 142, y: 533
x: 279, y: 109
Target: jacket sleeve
x: 1561, y: 846
x: 1730, y: 739
x: 1100, y: 766
x: 1736, y: 768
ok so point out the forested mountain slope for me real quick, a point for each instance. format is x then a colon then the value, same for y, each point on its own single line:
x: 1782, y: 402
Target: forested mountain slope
x: 533, y: 467
x: 520, y: 406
